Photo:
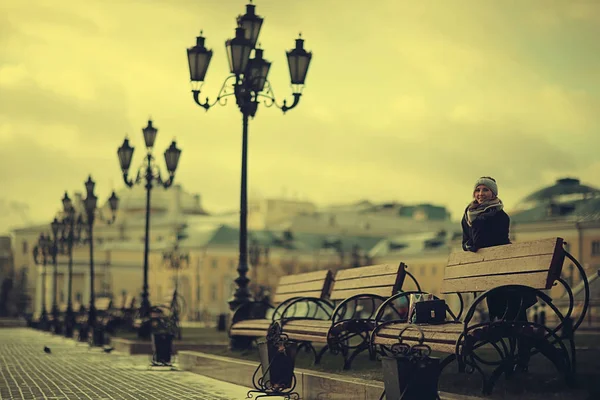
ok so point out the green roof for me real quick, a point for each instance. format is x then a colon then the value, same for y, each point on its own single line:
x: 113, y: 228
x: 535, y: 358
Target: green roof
x: 565, y: 186
x: 229, y: 236
x: 576, y: 210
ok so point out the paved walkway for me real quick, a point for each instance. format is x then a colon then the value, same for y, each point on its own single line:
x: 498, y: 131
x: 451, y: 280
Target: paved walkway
x: 74, y: 371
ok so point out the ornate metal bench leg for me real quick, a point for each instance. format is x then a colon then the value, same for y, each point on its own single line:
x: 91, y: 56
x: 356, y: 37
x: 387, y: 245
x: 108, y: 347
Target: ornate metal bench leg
x: 321, y: 353
x: 359, y: 349
x: 309, y: 348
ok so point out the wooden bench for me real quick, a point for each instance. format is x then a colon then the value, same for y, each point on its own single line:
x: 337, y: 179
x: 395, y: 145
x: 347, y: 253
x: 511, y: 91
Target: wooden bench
x: 121, y: 316
x: 519, y: 272
x: 296, y: 295
x: 356, y: 294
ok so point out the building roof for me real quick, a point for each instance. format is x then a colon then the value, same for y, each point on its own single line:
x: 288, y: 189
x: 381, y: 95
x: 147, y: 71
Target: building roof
x: 562, y: 187
x: 566, y: 200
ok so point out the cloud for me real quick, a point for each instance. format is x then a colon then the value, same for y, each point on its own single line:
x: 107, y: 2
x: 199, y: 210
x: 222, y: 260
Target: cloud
x: 407, y: 101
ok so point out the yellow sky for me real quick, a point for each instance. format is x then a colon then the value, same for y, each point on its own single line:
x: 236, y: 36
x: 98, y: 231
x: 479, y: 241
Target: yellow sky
x: 406, y: 101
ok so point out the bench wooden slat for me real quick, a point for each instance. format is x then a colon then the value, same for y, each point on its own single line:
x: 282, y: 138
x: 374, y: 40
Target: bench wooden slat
x: 279, y: 298
x: 536, y: 280
x: 363, y: 272
x: 386, y: 291
x: 370, y: 282
x: 302, y: 337
x: 253, y: 324
x: 248, y: 332
x: 308, y: 322
x: 509, y: 251
x: 312, y: 286
x: 446, y: 327
x: 309, y: 330
x: 499, y: 267
x: 304, y: 277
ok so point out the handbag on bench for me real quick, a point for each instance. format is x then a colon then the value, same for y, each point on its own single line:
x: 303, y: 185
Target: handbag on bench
x: 430, y: 312
x: 424, y: 309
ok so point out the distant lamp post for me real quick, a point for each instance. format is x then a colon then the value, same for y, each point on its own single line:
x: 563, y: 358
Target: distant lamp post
x: 41, y: 251
x: 248, y: 83
x: 71, y: 233
x: 56, y: 227
x: 176, y: 261
x: 92, y: 213
x: 151, y: 174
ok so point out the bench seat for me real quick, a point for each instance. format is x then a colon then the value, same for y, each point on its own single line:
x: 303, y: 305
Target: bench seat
x: 251, y: 327
x: 442, y: 338
x: 297, y: 295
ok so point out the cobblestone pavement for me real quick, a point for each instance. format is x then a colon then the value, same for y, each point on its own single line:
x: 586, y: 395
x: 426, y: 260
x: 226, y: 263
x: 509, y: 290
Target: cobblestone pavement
x: 74, y: 371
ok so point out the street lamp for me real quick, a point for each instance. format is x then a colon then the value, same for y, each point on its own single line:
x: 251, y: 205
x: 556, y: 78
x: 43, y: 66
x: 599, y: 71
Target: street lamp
x: 71, y: 233
x: 152, y: 173
x: 56, y: 227
x: 248, y: 83
x: 90, y: 210
x: 40, y: 256
x: 176, y: 261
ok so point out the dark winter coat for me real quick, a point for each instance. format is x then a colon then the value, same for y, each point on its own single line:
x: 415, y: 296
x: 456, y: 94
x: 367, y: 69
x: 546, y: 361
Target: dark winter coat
x: 487, y: 230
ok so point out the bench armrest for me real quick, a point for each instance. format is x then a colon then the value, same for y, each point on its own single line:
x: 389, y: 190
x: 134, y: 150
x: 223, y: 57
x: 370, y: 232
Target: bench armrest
x: 250, y: 310
x: 524, y: 292
x: 289, y: 308
x: 352, y: 304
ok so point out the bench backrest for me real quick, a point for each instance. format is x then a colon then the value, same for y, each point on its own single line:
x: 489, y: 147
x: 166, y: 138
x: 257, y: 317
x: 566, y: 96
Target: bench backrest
x: 537, y: 264
x: 383, y: 280
x: 309, y: 284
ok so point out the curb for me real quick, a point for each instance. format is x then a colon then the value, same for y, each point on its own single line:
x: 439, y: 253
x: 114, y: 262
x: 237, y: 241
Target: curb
x: 133, y: 347
x: 12, y: 323
x: 310, y: 385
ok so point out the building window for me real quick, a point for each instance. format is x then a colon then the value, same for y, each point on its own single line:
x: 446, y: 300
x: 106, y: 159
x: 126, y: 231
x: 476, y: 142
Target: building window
x: 232, y: 264
x: 422, y: 270
x: 434, y: 270
x: 596, y: 248
x: 215, y: 263
x: 25, y: 247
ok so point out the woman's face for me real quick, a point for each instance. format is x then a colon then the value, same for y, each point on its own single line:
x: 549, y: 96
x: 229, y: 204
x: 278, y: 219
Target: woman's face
x: 482, y: 193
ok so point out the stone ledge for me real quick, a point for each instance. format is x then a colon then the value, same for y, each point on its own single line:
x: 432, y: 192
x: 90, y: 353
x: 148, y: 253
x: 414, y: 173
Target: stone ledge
x: 12, y: 323
x: 133, y: 347
x: 310, y: 385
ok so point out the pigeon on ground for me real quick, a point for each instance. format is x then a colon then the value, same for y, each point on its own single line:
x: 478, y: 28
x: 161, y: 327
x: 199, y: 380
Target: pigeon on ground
x: 47, y: 350
x: 108, y: 349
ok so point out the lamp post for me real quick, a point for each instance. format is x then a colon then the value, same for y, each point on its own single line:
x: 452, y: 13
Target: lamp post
x: 176, y: 261
x: 40, y: 256
x: 71, y: 234
x: 151, y: 174
x: 91, y: 215
x: 248, y: 83
x: 56, y: 227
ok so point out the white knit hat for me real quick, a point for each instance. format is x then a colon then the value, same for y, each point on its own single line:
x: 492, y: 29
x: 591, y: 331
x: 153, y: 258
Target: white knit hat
x: 489, y: 183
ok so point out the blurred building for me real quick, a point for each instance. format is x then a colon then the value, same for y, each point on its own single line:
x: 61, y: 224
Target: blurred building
x: 288, y: 236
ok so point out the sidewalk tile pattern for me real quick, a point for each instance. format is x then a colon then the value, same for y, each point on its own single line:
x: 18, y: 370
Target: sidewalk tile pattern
x: 75, y: 371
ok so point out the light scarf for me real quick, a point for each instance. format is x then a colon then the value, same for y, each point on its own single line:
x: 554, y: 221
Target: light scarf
x: 475, y: 209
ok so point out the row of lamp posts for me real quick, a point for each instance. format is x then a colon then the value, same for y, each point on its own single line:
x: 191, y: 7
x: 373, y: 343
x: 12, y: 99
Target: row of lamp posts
x: 249, y: 85
x: 67, y: 232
